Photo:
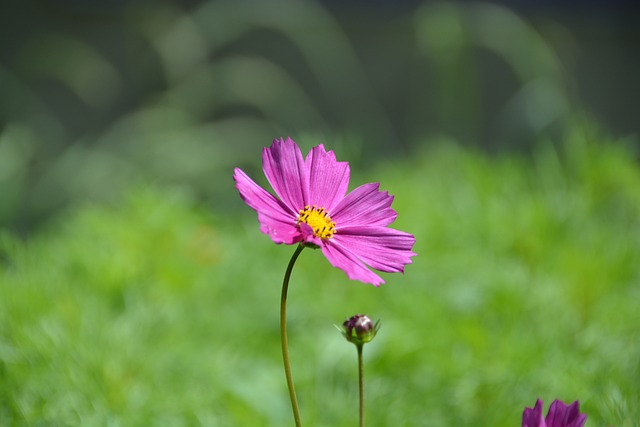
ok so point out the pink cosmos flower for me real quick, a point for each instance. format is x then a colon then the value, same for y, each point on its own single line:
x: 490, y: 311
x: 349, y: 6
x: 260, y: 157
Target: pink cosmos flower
x: 559, y: 415
x: 313, y: 208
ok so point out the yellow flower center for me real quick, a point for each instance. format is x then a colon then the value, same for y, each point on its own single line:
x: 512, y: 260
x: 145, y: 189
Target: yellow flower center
x: 319, y: 220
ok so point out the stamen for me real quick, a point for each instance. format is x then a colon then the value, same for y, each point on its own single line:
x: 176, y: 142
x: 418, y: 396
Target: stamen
x: 319, y: 221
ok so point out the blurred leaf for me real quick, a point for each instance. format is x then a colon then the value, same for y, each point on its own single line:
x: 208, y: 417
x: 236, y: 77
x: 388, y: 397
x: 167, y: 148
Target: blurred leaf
x: 450, y: 33
x: 75, y: 64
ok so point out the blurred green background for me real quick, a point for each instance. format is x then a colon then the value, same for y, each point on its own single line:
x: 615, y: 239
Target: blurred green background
x: 136, y: 288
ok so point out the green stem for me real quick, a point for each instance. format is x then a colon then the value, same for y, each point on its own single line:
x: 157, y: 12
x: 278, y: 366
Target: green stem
x: 361, y: 383
x: 283, y: 336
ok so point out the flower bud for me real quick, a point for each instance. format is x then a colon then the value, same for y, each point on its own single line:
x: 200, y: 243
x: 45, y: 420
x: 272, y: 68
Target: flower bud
x: 359, y: 329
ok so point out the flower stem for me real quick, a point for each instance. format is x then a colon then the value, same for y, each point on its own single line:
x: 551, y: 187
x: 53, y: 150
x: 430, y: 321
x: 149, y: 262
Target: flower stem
x: 283, y: 336
x: 361, y: 383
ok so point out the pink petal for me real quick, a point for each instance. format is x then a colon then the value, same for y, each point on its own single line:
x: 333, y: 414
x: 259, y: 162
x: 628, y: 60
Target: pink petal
x: 346, y: 261
x: 365, y: 205
x: 279, y: 232
x: 308, y: 236
x: 562, y: 415
x: 382, y: 248
x: 533, y: 417
x: 284, y: 167
x: 276, y: 219
x: 328, y: 178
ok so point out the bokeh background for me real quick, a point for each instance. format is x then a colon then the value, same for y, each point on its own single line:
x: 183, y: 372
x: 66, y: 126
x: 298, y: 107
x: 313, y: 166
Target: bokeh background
x: 97, y: 93
x: 136, y: 288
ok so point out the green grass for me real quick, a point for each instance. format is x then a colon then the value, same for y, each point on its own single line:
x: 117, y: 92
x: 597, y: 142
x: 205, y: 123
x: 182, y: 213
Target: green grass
x: 159, y: 312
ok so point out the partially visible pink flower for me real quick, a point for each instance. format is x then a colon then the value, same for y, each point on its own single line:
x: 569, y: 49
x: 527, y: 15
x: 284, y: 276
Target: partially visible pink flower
x: 313, y: 208
x: 559, y: 415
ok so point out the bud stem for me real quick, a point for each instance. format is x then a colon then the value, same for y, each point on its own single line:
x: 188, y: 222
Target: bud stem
x: 361, y: 383
x: 283, y: 336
